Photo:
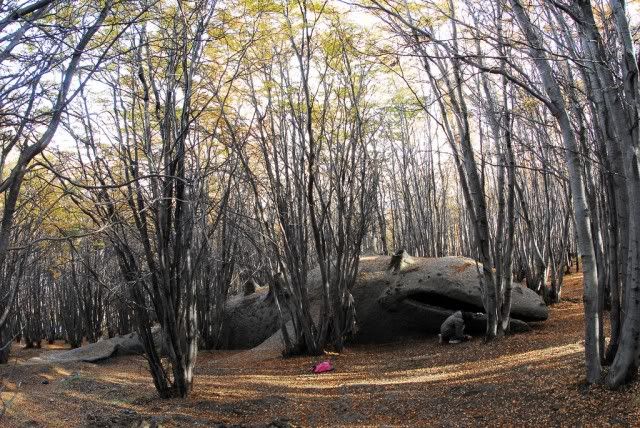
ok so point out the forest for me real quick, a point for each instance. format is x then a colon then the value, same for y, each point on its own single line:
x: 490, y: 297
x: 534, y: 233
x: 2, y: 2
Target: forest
x: 201, y: 199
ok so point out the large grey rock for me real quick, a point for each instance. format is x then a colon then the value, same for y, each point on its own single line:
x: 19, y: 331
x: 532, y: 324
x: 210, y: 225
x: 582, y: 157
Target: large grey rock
x: 395, y: 296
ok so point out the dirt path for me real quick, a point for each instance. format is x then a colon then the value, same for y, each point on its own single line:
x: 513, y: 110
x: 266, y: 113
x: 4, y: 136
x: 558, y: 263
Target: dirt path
x: 535, y: 379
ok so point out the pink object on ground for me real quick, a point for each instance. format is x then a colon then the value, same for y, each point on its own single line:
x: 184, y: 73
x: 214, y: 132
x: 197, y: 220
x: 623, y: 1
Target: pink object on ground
x: 324, y: 366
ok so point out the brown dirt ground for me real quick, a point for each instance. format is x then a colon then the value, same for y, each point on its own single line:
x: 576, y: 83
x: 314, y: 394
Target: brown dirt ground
x: 534, y: 379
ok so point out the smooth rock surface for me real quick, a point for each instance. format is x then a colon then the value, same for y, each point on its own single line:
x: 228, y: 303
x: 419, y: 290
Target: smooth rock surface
x: 128, y: 344
x: 249, y: 320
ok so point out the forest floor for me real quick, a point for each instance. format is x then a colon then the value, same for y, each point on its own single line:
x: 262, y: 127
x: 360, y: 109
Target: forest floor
x: 533, y: 379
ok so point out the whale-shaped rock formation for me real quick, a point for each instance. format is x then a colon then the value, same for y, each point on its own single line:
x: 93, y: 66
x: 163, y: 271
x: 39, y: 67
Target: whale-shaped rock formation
x: 395, y: 296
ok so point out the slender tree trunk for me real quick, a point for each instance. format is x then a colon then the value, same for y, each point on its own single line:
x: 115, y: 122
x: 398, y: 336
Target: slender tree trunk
x: 578, y: 192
